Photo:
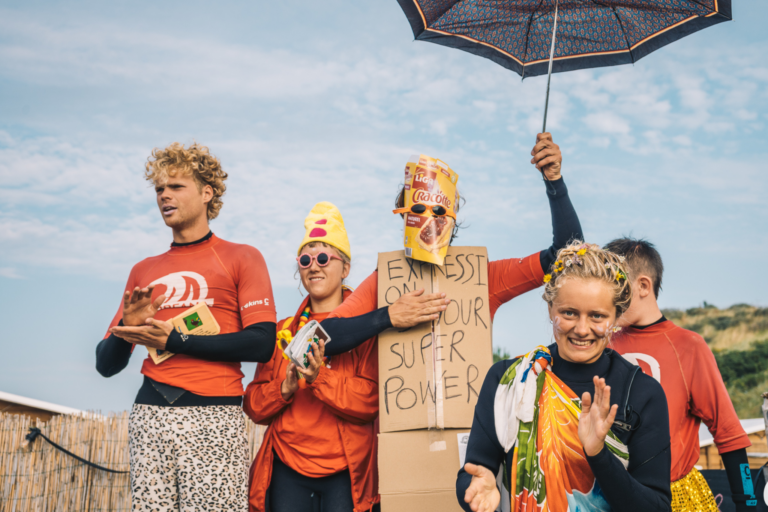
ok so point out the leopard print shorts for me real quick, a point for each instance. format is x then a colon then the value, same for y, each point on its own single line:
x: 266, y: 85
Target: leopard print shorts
x: 188, y: 458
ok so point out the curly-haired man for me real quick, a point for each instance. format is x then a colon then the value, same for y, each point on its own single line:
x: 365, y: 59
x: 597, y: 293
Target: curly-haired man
x: 187, y: 440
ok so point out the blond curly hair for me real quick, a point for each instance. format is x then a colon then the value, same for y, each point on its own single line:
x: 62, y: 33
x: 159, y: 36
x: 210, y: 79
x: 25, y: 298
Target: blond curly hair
x: 195, y: 161
x: 590, y: 261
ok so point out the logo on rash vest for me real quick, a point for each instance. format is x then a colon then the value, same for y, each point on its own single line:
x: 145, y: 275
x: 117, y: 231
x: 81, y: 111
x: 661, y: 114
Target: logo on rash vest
x: 264, y: 302
x: 183, y: 290
x: 649, y: 363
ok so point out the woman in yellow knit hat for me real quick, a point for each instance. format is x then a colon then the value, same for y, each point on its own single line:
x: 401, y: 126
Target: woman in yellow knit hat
x: 319, y: 448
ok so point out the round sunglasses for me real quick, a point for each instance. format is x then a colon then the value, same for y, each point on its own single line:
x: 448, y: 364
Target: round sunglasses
x: 322, y: 258
x: 420, y: 208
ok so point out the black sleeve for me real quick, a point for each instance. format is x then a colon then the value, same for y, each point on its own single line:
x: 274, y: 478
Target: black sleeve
x: 483, y: 447
x: 733, y: 462
x: 349, y: 333
x: 255, y: 343
x: 565, y: 222
x: 644, y: 485
x: 112, y: 355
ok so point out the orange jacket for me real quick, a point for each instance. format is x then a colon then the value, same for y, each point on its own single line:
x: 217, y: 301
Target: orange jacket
x: 349, y: 390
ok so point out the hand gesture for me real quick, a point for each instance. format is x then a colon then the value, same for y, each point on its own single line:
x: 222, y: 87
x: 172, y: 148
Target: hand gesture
x: 315, y: 359
x: 482, y: 493
x: 596, y: 418
x: 547, y: 157
x: 153, y: 334
x: 138, y: 305
x: 291, y: 382
x: 415, y: 307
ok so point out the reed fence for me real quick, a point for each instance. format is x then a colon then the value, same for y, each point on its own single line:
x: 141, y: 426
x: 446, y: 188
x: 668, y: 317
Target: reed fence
x: 37, y: 477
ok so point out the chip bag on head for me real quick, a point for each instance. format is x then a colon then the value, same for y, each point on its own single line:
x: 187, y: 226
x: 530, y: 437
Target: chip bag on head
x: 430, y: 208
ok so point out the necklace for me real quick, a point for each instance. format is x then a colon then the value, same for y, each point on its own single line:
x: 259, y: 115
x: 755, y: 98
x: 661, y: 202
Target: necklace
x: 304, y: 318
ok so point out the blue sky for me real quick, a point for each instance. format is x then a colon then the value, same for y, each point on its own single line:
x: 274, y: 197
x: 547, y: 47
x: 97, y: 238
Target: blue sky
x: 310, y: 101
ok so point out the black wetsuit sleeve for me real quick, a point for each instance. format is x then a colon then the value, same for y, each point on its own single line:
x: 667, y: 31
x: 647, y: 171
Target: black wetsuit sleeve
x: 644, y: 485
x: 255, y: 344
x: 733, y: 461
x: 349, y: 333
x: 565, y: 222
x: 483, y: 447
x: 112, y: 355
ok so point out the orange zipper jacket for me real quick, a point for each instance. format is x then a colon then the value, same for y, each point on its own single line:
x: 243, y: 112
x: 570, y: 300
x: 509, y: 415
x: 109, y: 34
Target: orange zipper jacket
x: 345, y: 427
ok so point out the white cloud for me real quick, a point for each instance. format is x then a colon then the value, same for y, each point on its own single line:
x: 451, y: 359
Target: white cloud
x: 10, y: 273
x: 607, y: 122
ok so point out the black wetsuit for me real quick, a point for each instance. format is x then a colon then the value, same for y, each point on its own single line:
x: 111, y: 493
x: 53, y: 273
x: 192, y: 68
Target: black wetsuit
x: 644, y: 485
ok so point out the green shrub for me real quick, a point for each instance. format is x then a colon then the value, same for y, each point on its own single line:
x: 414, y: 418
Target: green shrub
x: 722, y: 323
x: 738, y: 367
x: 499, y: 354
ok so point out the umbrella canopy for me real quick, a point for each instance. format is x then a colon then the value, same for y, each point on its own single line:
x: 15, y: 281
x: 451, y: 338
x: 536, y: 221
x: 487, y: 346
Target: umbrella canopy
x: 517, y: 34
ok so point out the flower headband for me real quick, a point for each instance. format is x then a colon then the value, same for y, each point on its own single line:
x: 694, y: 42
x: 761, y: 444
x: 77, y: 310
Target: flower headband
x: 618, y: 274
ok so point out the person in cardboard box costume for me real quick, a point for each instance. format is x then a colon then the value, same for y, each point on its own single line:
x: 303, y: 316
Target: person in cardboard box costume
x: 429, y: 202
x: 575, y: 425
x: 317, y: 453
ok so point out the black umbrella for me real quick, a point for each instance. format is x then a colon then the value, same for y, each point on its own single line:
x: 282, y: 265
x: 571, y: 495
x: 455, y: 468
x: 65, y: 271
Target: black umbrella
x: 533, y: 37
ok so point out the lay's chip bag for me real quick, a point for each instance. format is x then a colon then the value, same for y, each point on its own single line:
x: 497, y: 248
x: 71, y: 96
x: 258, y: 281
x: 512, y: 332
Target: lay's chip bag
x: 430, y: 208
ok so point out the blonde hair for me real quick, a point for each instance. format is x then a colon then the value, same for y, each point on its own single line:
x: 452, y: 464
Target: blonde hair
x: 195, y: 161
x: 589, y: 261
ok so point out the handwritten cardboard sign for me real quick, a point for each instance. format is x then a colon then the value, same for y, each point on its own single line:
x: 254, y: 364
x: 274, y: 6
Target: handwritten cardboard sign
x: 430, y: 375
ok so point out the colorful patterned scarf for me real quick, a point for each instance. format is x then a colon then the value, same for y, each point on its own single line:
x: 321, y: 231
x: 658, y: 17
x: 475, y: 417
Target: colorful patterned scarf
x: 537, y: 414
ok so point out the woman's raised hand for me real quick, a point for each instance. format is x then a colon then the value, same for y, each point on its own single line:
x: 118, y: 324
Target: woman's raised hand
x: 315, y: 359
x: 547, y: 156
x: 291, y: 382
x: 482, y: 493
x: 596, y: 418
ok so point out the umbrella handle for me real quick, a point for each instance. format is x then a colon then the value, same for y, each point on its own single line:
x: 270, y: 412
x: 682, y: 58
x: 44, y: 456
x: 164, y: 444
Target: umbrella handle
x: 549, y: 75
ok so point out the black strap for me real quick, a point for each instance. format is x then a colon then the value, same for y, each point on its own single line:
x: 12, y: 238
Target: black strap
x: 34, y: 432
x: 624, y: 424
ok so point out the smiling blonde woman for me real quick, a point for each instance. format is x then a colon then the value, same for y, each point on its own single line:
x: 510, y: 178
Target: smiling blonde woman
x: 575, y: 426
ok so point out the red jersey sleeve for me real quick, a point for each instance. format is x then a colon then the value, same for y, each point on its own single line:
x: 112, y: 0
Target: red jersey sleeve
x: 364, y: 300
x: 709, y: 397
x: 254, y: 288
x: 512, y: 277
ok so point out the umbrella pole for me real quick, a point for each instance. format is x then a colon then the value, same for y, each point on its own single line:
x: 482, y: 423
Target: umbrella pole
x: 549, y: 75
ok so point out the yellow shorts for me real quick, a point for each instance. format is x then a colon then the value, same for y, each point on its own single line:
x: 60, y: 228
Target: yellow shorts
x: 692, y: 494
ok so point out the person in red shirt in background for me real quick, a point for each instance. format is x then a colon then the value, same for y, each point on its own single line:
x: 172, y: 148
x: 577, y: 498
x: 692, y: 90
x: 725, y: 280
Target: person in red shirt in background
x: 360, y: 316
x: 318, y: 453
x: 188, y: 449
x: 683, y: 364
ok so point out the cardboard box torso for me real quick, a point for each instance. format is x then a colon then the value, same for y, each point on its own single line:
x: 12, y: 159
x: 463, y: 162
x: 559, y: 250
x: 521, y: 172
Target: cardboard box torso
x: 417, y: 470
x: 430, y: 375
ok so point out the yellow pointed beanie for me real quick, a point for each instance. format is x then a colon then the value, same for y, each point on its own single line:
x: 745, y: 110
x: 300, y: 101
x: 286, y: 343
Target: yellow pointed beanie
x: 325, y: 224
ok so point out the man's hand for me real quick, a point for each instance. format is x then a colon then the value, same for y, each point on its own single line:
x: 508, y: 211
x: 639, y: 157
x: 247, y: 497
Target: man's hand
x: 315, y: 358
x: 154, y: 334
x: 416, y: 307
x: 138, y: 305
x: 482, y: 493
x: 547, y: 157
x: 596, y: 418
x: 291, y: 382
